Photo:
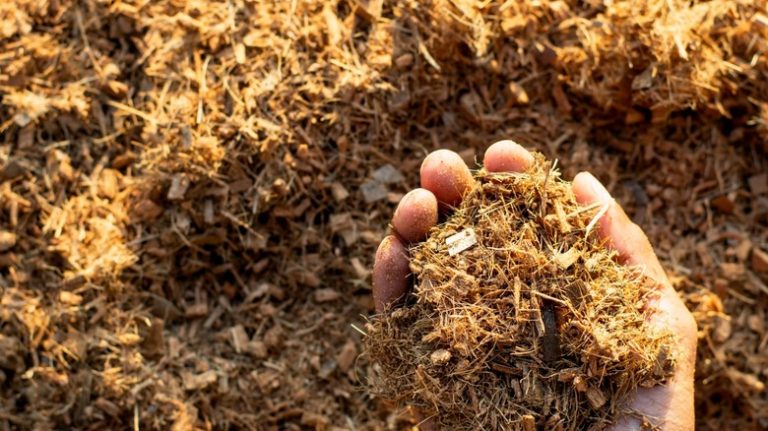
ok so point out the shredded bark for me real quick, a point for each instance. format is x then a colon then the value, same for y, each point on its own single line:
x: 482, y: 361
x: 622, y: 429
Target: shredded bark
x: 192, y: 192
x: 537, y: 319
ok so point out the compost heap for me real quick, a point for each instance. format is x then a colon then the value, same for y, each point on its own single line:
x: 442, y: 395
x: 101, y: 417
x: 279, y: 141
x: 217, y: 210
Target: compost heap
x: 534, y: 324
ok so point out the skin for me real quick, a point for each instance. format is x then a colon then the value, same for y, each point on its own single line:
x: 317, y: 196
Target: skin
x: 445, y: 178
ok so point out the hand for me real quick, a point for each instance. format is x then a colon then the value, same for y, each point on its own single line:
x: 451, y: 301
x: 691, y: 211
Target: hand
x: 445, y: 178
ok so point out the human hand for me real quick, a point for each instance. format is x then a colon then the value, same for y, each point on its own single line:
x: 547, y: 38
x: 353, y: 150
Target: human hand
x: 445, y: 178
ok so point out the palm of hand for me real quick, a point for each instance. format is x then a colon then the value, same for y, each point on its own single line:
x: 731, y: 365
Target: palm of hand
x: 445, y: 177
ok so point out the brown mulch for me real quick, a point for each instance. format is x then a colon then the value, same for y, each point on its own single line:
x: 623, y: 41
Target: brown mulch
x: 191, y: 192
x: 519, y: 318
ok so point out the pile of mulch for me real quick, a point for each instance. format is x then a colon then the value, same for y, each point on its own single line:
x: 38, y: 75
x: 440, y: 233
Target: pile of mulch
x: 191, y: 192
x: 519, y: 318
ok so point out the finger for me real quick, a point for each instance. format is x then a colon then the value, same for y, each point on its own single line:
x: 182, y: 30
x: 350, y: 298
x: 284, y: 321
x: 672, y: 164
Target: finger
x: 507, y: 156
x: 415, y: 215
x: 622, y: 235
x: 445, y: 174
x: 390, y: 272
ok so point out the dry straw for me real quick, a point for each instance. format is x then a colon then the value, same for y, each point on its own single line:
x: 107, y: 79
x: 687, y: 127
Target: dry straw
x: 534, y: 325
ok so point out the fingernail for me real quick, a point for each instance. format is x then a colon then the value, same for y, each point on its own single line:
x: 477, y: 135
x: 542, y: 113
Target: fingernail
x: 599, y: 190
x: 507, y: 142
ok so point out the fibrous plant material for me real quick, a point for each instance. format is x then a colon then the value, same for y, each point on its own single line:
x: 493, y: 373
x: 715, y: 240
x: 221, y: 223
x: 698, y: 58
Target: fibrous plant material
x: 215, y: 164
x: 535, y: 324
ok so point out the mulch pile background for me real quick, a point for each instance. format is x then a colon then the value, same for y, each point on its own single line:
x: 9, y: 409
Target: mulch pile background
x: 191, y: 192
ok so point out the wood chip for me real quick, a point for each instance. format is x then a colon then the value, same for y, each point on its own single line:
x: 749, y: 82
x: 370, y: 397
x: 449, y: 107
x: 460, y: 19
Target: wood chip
x: 529, y: 423
x: 326, y: 295
x: 147, y: 210
x: 240, y: 338
x: 70, y: 298
x: 315, y: 420
x: 388, y: 174
x: 440, y: 357
x: 722, y: 329
x: 373, y: 191
x: 194, y: 382
x: 11, y: 170
x: 346, y: 356
x: 339, y: 192
x: 759, y: 260
x: 761, y: 21
x: 723, y: 204
x: 733, y: 271
x: 518, y: 93
x: 595, y: 397
x: 179, y: 186
x: 758, y: 184
x: 196, y: 311
x: 565, y: 260
x: 461, y: 241
x: 257, y: 349
x: 7, y: 240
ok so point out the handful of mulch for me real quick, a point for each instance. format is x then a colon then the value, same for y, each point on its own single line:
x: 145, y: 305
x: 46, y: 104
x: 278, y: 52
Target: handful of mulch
x: 520, y: 317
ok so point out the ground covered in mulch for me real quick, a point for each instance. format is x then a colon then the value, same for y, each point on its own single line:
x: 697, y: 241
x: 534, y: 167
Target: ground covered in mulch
x: 191, y: 192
